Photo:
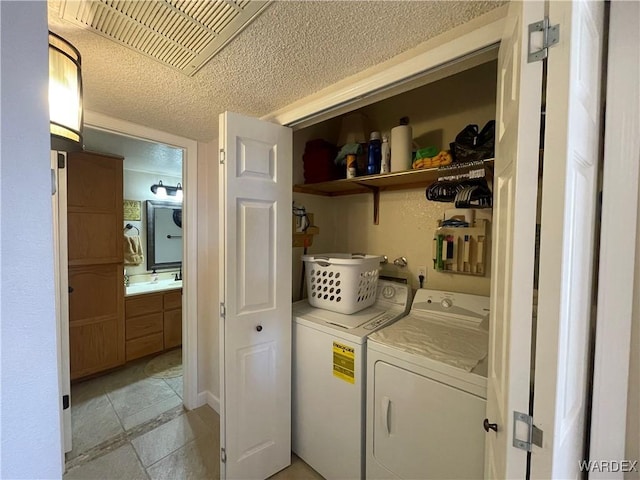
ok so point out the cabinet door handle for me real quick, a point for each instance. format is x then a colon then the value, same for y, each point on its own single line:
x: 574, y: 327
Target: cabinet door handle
x: 386, y: 412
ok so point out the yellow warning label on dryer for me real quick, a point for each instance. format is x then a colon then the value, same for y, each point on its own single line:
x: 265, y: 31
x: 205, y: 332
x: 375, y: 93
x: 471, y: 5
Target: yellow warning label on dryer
x: 344, y: 362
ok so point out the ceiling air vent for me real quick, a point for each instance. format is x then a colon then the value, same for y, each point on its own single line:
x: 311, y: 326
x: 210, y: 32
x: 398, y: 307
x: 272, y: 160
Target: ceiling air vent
x: 183, y: 34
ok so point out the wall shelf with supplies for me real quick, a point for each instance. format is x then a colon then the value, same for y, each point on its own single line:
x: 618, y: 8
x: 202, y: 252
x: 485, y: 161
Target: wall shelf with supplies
x: 382, y: 182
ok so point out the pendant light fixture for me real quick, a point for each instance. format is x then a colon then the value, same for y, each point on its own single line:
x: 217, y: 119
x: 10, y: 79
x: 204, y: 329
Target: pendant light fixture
x: 65, y: 95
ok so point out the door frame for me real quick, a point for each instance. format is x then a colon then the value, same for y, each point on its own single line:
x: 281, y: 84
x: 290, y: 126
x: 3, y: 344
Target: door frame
x: 61, y: 282
x: 619, y: 237
x: 190, y: 245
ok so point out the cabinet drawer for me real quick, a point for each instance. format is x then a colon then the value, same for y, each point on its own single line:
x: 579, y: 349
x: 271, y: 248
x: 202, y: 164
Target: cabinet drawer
x: 143, y: 325
x: 143, y: 304
x: 142, y: 346
x: 173, y: 328
x: 173, y: 299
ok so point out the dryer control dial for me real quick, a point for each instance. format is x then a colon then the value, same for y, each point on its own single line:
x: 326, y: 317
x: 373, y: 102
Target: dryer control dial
x: 388, y: 292
x: 446, y: 303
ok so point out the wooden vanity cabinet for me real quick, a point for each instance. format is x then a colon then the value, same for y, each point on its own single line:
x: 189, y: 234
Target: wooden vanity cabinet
x: 153, y: 323
x: 172, y: 319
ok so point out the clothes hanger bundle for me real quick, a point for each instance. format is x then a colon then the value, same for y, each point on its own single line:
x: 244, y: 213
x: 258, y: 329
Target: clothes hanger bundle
x: 467, y: 189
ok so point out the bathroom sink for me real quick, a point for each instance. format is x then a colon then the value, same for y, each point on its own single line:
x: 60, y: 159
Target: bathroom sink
x: 149, y: 287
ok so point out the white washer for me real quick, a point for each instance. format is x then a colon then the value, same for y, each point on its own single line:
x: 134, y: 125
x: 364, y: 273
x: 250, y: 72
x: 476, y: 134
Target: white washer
x: 328, y: 380
x: 427, y: 390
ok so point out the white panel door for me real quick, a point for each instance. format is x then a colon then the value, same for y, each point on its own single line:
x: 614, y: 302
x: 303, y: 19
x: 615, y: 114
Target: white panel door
x: 515, y: 192
x: 569, y: 201
x: 255, y: 331
x: 60, y: 256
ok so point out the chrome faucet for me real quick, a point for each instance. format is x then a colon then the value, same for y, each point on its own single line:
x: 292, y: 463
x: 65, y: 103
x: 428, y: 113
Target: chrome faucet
x: 178, y: 276
x: 400, y: 262
x: 126, y: 280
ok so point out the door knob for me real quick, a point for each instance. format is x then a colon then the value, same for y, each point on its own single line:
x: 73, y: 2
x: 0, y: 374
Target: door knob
x: 70, y: 289
x: 489, y: 426
x: 259, y: 328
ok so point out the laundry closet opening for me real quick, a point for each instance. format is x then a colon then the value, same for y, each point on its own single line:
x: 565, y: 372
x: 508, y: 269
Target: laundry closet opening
x: 398, y: 411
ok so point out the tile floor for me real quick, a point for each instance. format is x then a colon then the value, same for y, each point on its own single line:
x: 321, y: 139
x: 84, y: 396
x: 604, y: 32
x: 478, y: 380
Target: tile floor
x: 127, y: 425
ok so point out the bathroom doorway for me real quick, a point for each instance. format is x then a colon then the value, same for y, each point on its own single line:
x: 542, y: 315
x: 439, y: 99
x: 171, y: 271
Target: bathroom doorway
x: 149, y: 386
x: 117, y: 137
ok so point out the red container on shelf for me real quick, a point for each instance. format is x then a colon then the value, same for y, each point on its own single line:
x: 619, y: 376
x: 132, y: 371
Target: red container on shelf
x: 318, y: 160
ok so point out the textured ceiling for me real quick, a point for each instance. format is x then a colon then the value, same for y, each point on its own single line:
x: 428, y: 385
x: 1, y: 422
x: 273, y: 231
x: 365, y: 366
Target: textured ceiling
x: 292, y: 50
x: 139, y: 155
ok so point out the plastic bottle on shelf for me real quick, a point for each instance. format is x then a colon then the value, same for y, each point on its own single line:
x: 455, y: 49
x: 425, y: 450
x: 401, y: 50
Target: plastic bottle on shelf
x: 351, y: 166
x: 375, y: 156
x: 385, y: 153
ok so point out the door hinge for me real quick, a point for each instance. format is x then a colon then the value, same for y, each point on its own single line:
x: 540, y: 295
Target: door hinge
x: 62, y: 160
x: 541, y: 37
x: 223, y: 455
x: 223, y: 310
x: 222, y: 156
x: 534, y: 434
x: 65, y: 402
x: 54, y: 183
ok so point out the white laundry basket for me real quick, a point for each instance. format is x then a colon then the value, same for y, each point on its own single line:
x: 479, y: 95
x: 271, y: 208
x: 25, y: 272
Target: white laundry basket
x: 342, y: 282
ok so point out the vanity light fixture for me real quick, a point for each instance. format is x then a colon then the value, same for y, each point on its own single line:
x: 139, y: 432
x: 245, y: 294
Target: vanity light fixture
x: 159, y: 189
x: 65, y: 95
x: 163, y: 191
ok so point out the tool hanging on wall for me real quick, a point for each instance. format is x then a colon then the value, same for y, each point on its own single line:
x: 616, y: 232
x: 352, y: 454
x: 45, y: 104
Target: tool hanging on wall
x: 463, y: 184
x: 303, y: 232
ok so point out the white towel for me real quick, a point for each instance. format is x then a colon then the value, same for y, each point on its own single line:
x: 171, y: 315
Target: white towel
x: 133, y: 254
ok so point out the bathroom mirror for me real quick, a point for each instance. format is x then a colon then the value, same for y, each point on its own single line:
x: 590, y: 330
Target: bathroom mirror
x: 164, y: 235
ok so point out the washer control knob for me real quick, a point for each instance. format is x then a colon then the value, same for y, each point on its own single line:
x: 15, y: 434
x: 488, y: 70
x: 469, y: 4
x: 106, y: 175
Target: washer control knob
x: 388, y: 292
x: 446, y: 303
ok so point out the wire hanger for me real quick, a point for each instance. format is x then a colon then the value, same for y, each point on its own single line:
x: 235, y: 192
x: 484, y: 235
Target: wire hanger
x: 128, y: 227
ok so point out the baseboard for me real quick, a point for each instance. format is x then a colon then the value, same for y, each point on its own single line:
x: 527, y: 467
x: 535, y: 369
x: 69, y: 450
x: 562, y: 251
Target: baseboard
x: 210, y: 399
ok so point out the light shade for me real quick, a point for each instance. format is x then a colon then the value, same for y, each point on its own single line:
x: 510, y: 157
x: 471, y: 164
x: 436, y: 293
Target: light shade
x: 65, y: 95
x: 165, y: 191
x: 353, y: 129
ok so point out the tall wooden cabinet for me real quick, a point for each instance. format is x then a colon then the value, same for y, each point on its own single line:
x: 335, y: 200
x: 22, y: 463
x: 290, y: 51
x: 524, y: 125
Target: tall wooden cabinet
x: 96, y: 286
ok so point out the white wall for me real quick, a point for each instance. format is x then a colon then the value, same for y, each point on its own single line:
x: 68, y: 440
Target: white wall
x: 137, y: 186
x: 29, y: 395
x: 632, y: 445
x: 632, y: 450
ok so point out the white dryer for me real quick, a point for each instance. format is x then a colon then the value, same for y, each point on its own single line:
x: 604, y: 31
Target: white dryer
x: 427, y: 390
x: 328, y: 380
